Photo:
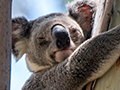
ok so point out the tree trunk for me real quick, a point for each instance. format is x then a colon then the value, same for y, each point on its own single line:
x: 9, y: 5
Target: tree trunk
x: 5, y: 44
x: 102, y: 16
x: 111, y: 80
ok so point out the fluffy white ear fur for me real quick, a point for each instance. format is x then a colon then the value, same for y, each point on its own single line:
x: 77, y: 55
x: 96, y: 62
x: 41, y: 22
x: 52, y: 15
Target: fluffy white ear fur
x: 21, y: 47
x: 83, y: 11
x: 20, y: 32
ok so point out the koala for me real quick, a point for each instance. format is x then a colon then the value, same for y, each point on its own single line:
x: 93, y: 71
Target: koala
x: 59, y: 50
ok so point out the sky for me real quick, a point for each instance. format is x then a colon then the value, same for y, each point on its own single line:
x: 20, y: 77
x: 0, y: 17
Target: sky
x: 31, y: 9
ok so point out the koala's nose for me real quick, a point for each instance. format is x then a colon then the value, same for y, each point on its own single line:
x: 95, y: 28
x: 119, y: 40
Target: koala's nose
x: 61, y: 36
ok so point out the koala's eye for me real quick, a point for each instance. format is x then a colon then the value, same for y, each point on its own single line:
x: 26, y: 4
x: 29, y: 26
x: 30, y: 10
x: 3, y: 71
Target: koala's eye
x: 73, y: 31
x: 41, y: 37
x: 42, y: 40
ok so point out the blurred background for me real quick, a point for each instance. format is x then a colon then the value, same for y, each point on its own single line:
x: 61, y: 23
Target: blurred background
x: 31, y: 9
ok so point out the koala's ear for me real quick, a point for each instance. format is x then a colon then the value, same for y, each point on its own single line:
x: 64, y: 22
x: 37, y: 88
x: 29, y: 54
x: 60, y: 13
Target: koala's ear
x: 20, y: 35
x: 83, y: 11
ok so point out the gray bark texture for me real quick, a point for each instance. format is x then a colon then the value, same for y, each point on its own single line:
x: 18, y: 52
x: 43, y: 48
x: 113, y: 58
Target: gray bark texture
x: 5, y: 44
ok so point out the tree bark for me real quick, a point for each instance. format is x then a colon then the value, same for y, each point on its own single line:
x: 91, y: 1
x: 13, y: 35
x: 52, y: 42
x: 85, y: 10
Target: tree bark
x: 5, y: 44
x: 102, y: 17
x: 111, y: 80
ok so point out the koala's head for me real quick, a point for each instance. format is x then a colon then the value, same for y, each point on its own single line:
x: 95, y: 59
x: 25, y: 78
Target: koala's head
x: 50, y: 39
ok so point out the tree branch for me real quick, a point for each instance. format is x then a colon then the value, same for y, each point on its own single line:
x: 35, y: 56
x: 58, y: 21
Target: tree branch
x: 102, y: 17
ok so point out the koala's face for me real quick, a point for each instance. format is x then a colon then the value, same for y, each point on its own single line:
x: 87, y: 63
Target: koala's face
x: 47, y: 40
x: 54, y: 38
x: 51, y: 39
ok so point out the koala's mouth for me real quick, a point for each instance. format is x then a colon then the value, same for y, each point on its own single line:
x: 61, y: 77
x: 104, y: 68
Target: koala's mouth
x: 61, y: 55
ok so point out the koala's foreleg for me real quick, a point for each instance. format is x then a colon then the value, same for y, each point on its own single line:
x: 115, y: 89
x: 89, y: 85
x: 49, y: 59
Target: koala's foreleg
x: 88, y: 62
x: 94, y: 57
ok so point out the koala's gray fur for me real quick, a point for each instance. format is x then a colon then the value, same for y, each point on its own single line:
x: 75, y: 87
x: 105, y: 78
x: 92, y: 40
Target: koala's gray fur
x: 57, y: 68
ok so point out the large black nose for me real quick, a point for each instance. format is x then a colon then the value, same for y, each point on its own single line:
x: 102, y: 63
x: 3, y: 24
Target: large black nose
x: 61, y: 36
